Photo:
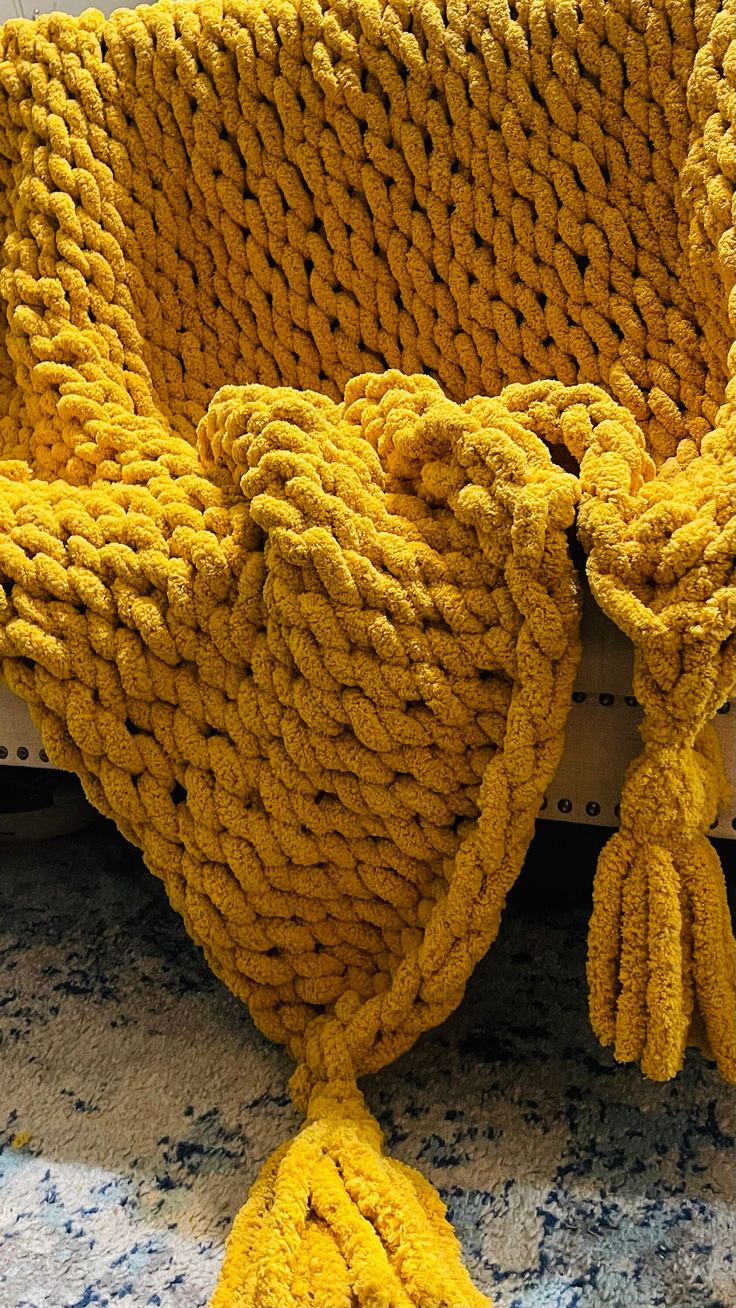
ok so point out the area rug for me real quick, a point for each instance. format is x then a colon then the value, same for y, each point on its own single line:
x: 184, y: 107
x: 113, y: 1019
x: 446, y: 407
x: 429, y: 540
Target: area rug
x: 137, y: 1101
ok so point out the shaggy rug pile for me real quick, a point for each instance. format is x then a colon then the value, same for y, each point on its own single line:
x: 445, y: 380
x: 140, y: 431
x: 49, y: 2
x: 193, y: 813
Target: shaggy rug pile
x: 137, y: 1099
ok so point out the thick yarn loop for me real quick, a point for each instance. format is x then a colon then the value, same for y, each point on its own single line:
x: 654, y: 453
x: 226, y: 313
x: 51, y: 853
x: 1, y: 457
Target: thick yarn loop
x: 325, y: 326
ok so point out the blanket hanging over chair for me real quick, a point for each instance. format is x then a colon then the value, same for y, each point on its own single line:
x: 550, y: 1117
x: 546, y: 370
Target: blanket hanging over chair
x: 325, y: 326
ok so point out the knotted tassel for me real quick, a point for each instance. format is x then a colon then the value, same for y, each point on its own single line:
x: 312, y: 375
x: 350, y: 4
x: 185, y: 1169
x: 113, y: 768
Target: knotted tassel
x: 332, y: 1222
x: 662, y: 955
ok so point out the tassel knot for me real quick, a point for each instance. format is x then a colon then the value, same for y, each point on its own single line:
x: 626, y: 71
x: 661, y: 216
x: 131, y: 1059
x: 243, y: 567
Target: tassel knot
x: 661, y: 952
x: 332, y: 1222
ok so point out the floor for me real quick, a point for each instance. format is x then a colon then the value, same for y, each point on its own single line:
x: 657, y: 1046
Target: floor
x: 137, y: 1102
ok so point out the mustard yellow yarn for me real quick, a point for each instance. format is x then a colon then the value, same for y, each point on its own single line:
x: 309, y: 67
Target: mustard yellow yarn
x: 326, y: 325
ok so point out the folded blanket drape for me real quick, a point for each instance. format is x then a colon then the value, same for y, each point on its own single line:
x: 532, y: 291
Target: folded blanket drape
x: 326, y: 327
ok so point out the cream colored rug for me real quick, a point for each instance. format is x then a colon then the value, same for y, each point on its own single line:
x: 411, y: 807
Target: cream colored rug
x: 137, y: 1102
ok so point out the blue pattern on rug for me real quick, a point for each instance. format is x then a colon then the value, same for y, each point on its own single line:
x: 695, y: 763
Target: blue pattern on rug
x: 138, y: 1101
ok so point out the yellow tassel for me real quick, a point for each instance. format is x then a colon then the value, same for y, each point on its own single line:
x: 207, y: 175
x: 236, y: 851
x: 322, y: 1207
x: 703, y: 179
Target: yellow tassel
x: 662, y: 955
x: 332, y: 1222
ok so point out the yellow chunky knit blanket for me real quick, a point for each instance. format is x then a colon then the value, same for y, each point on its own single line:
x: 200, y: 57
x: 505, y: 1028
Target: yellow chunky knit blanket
x: 326, y: 324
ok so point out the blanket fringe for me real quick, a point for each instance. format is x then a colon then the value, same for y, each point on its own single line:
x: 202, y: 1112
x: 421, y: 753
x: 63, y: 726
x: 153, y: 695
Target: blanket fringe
x: 662, y: 954
x: 332, y: 1222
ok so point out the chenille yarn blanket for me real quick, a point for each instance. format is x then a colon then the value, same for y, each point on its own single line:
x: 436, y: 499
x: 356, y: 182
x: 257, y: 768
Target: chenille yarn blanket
x: 327, y: 326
